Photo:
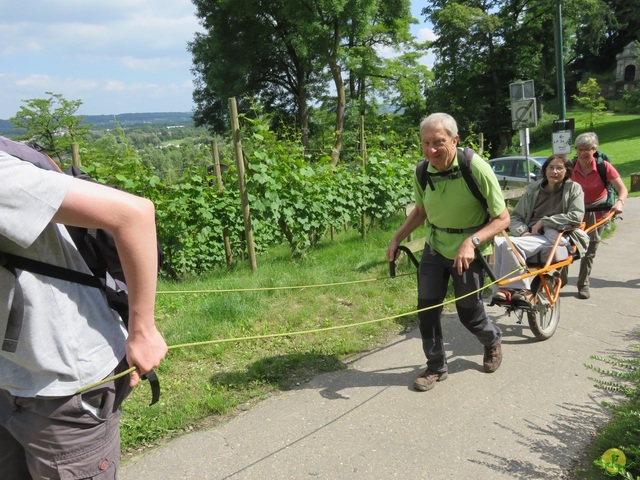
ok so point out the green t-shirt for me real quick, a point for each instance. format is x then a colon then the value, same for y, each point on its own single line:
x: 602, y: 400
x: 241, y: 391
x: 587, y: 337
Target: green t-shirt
x: 452, y: 205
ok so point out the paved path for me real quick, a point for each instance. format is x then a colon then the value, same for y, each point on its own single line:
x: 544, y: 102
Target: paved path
x: 529, y: 420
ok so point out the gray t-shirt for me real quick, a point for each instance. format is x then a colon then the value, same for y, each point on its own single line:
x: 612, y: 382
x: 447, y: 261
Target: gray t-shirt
x: 70, y: 337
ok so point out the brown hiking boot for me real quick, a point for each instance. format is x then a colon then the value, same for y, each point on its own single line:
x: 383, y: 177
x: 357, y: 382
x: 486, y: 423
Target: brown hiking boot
x: 492, y: 358
x: 583, y: 292
x: 427, y: 380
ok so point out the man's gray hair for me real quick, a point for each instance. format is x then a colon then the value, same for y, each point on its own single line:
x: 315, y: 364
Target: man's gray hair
x: 444, y: 120
x: 587, y: 139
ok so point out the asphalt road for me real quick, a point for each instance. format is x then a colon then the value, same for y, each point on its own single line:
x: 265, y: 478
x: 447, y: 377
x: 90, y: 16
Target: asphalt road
x: 528, y: 420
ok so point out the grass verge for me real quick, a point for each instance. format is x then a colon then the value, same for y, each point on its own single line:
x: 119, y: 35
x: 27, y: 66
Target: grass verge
x: 201, y: 385
x: 615, y: 450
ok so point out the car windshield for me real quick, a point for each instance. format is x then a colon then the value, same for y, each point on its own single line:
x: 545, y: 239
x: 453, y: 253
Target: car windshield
x: 521, y: 168
x: 501, y: 167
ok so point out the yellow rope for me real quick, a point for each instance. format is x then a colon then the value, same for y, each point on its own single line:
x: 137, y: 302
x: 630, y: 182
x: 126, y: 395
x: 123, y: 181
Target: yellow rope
x: 291, y: 287
x: 300, y: 332
x: 338, y: 327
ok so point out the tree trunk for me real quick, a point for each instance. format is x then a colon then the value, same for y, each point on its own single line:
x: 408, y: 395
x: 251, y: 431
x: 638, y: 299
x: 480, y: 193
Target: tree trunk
x: 336, y: 73
x: 303, y: 117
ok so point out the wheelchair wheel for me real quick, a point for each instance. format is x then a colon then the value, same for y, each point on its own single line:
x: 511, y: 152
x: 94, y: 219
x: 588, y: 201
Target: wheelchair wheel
x: 544, y: 317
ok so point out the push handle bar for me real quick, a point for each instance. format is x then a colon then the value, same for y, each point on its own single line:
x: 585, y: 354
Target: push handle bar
x: 392, y: 264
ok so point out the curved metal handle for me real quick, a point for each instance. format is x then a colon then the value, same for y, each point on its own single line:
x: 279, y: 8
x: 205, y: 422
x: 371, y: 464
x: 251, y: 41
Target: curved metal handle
x: 392, y: 265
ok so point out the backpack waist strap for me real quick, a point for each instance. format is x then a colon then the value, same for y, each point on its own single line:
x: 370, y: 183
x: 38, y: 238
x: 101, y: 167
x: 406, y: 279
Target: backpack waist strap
x: 458, y: 230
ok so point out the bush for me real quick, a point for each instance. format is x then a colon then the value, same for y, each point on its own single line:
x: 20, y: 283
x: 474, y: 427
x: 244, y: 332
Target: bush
x: 631, y: 102
x: 623, y: 432
x: 294, y: 197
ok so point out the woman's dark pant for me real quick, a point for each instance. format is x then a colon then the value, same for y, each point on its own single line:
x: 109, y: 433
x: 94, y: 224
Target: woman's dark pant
x: 586, y: 263
x: 433, y: 279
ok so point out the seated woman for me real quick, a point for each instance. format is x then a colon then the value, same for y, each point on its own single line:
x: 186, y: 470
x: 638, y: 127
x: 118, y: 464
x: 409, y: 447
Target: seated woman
x: 547, y: 206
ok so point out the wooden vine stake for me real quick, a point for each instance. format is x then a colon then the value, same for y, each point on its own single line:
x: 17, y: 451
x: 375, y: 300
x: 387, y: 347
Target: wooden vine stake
x: 218, y: 172
x: 363, y: 153
x: 242, y: 184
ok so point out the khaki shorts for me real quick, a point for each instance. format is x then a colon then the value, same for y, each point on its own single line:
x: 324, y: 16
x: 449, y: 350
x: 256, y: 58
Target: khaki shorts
x: 75, y: 437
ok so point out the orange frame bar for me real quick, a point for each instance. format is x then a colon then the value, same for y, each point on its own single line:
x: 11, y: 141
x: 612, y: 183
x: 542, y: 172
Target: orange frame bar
x: 548, y: 266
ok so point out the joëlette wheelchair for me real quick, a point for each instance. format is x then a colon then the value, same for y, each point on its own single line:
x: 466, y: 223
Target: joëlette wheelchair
x: 546, y: 268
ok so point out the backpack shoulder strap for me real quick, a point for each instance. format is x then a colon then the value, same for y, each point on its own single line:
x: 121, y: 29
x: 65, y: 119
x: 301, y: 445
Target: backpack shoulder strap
x: 602, y: 168
x: 602, y: 155
x: 421, y: 173
x: 464, y: 164
x: 464, y: 161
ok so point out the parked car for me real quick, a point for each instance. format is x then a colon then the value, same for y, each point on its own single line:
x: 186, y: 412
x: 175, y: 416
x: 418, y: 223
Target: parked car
x: 512, y: 171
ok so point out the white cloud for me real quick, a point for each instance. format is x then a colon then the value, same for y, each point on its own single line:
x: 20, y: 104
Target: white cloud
x: 34, y: 81
x: 120, y: 52
x: 155, y: 64
x: 425, y: 34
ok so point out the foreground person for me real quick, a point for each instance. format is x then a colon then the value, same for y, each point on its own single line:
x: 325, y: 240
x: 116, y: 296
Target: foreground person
x: 457, y: 225
x: 70, y: 338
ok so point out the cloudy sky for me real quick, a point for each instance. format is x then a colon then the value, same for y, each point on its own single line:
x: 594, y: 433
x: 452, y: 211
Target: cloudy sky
x: 120, y: 56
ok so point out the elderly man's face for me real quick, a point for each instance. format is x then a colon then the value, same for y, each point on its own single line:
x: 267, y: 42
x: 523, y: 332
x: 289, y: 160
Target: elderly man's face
x: 438, y: 147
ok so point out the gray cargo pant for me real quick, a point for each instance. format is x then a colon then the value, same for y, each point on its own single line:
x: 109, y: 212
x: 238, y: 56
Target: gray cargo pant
x: 76, y: 437
x: 586, y: 263
x: 433, y: 280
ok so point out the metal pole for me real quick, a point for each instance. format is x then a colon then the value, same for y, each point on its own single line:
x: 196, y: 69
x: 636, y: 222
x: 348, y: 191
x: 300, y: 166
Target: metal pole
x: 363, y: 151
x: 524, y: 141
x: 560, y: 62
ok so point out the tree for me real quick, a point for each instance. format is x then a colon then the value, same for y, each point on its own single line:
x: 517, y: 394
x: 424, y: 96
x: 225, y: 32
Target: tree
x: 51, y: 122
x: 603, y: 29
x: 404, y: 84
x: 252, y: 49
x: 347, y: 33
x: 591, y: 99
x: 484, y: 45
x: 282, y: 51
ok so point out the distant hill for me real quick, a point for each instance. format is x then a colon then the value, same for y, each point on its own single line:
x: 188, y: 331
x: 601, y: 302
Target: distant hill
x: 130, y: 119
x: 123, y: 119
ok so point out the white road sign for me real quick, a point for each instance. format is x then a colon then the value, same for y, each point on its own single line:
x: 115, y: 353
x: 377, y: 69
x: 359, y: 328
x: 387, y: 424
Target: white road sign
x: 561, y: 142
x: 523, y: 114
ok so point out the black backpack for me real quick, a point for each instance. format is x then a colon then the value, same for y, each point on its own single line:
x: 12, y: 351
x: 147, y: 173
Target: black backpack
x: 97, y: 247
x: 463, y: 169
x: 602, y: 171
